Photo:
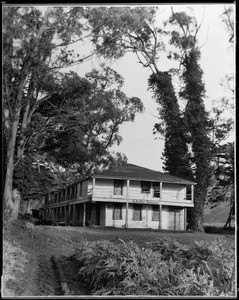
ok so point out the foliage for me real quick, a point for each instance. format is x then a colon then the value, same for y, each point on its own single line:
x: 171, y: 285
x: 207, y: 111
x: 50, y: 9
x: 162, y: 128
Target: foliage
x: 62, y: 120
x: 84, y: 119
x: 223, y: 180
x: 176, y: 159
x: 35, y: 47
x: 196, y: 119
x: 163, y: 267
x: 228, y: 19
x: 187, y: 150
x: 118, y: 30
x: 33, y: 180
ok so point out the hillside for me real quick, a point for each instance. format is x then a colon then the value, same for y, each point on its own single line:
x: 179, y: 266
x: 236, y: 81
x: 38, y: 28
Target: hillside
x: 217, y: 214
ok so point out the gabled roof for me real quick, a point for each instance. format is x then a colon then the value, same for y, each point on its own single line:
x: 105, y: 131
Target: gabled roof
x: 134, y: 172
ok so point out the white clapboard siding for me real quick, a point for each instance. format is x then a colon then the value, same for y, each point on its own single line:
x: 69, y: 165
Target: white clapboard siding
x: 104, y: 188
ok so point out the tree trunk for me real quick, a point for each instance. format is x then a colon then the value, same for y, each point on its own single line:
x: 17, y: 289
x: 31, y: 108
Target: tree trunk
x: 196, y: 213
x: 8, y: 200
x: 7, y: 197
x: 232, y: 210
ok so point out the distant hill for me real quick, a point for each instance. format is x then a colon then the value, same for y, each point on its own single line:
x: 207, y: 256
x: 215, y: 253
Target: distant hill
x: 217, y: 214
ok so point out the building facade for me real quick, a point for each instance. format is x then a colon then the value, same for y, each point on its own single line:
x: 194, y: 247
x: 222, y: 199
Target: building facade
x: 128, y: 196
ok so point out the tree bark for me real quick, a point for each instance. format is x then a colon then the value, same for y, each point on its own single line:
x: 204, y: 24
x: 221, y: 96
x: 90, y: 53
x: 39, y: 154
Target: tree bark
x: 8, y: 201
x: 7, y: 197
x: 232, y: 210
x: 196, y: 214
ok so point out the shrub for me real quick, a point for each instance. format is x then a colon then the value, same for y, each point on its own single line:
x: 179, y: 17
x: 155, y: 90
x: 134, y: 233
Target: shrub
x: 163, y: 267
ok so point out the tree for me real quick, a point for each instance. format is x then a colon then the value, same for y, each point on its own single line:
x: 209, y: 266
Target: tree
x: 37, y: 45
x: 222, y: 187
x: 196, y: 118
x: 83, y: 120
x: 176, y: 158
x: 228, y: 20
x: 135, y: 30
x: 223, y: 182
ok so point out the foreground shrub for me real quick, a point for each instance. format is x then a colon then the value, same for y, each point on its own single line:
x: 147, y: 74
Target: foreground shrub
x: 163, y: 267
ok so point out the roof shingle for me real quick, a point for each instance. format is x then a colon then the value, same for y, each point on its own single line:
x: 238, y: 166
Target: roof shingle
x: 134, y: 172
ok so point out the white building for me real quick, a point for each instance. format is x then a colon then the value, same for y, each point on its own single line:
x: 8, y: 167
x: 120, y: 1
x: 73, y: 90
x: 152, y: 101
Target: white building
x: 128, y: 196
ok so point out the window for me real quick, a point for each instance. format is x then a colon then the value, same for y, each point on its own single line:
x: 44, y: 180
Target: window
x: 145, y: 186
x: 117, y: 213
x: 156, y: 187
x: 118, y: 187
x: 137, y: 212
x: 188, y: 193
x: 74, y: 192
x: 55, y: 200
x: 75, y: 195
x: 155, y: 213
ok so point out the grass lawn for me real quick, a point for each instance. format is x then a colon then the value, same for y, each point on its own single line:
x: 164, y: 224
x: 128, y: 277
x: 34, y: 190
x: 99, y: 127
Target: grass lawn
x: 140, y: 236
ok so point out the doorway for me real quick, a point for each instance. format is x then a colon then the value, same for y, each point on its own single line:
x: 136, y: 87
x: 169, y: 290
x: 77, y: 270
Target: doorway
x: 97, y: 213
x: 174, y: 218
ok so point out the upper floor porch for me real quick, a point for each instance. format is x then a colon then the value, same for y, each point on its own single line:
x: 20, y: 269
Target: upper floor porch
x: 123, y: 190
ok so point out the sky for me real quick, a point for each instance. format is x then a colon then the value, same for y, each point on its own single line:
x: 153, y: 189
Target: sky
x: 139, y: 144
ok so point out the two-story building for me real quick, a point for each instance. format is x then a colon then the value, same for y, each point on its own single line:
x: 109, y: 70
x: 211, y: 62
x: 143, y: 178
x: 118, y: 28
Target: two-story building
x: 127, y: 196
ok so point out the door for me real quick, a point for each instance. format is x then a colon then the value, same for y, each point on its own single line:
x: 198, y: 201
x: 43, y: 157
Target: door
x: 174, y: 218
x: 97, y: 214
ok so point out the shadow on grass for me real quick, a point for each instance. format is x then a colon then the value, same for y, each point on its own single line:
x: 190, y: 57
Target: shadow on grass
x: 219, y: 230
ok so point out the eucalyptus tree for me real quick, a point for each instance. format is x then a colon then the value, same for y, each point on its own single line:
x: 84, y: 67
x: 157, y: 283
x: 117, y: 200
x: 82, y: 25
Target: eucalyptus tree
x: 35, y: 46
x: 228, y: 19
x: 126, y: 29
x: 38, y: 46
x: 223, y: 181
x: 197, y: 122
x: 187, y: 132
x: 83, y: 120
x: 222, y: 185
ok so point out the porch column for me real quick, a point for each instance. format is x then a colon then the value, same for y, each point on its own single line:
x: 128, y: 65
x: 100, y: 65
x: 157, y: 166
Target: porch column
x: 160, y: 206
x: 192, y: 193
x: 93, y: 188
x: 65, y: 212
x: 127, y: 206
x: 147, y: 219
x: 70, y: 220
x: 74, y: 215
x: 185, y: 218
x: 71, y: 189
x: 84, y: 213
x: 160, y: 216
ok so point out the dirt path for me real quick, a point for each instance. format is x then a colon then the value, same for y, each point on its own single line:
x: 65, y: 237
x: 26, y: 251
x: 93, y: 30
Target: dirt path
x: 48, y: 269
